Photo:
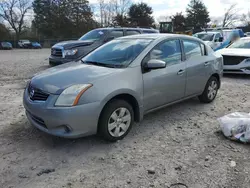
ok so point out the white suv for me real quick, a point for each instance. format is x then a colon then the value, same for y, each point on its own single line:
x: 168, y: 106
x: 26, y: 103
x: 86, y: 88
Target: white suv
x: 212, y: 38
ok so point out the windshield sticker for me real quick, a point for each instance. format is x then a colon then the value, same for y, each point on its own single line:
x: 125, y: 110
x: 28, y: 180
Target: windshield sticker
x: 100, y: 32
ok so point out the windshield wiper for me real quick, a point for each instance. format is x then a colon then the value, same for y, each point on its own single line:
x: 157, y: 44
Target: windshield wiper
x: 102, y: 64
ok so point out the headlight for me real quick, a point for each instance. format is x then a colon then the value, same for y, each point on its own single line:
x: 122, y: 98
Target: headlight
x: 71, y: 95
x: 70, y: 52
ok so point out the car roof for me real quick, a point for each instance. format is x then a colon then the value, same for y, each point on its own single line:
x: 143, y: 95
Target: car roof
x: 158, y: 36
x: 132, y: 28
x: 210, y: 32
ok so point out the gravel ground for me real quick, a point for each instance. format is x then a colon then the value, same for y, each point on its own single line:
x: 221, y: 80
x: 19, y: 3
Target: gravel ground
x: 179, y: 144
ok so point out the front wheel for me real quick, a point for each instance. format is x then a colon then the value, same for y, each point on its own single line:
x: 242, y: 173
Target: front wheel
x: 210, y: 91
x: 116, y: 120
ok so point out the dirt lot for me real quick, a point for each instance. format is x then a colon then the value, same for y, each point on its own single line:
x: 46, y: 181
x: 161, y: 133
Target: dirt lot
x: 179, y: 144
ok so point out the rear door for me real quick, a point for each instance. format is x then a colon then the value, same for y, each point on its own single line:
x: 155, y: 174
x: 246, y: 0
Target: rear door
x: 197, y: 66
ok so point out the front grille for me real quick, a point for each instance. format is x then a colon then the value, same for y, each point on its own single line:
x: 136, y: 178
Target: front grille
x: 233, y: 60
x: 56, y: 52
x: 37, y: 120
x: 36, y: 94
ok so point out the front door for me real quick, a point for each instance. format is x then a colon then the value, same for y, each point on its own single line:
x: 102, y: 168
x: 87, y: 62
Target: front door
x: 165, y: 85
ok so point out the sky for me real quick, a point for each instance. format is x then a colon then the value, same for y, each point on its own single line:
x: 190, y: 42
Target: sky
x: 216, y: 8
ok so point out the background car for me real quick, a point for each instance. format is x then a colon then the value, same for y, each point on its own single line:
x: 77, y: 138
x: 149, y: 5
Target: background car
x: 67, y: 51
x: 247, y: 34
x: 212, y: 38
x: 24, y: 44
x: 120, y: 82
x: 36, y: 45
x: 237, y: 57
x: 5, y: 45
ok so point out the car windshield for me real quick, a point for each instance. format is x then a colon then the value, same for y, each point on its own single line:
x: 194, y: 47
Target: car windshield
x: 5, y: 44
x: 240, y: 44
x: 227, y: 34
x: 94, y: 35
x: 117, y: 53
x: 205, y: 36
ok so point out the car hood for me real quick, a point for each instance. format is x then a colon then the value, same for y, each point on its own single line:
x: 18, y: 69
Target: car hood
x: 235, y: 52
x: 56, y: 79
x: 73, y: 43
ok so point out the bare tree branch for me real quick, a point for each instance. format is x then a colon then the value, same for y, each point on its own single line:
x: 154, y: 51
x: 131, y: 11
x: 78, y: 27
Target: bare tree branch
x: 245, y: 18
x: 109, y: 9
x: 14, y: 11
x: 230, y: 16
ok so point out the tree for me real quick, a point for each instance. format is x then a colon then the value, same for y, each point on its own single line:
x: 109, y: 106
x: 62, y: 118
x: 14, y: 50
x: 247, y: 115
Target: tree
x: 63, y: 19
x: 179, y: 21
x: 113, y: 12
x: 4, y: 32
x: 197, y: 14
x: 141, y: 15
x: 14, y: 12
x: 81, y: 17
x: 230, y: 16
x: 245, y: 18
x: 121, y: 20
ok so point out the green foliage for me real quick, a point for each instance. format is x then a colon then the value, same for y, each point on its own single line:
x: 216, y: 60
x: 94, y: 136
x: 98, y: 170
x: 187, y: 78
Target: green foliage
x: 141, y: 15
x: 121, y: 20
x: 4, y: 32
x: 197, y: 14
x: 63, y: 18
x: 179, y: 21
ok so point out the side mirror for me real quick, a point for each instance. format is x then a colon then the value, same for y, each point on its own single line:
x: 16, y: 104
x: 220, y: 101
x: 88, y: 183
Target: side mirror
x: 109, y: 39
x: 221, y: 39
x: 155, y: 64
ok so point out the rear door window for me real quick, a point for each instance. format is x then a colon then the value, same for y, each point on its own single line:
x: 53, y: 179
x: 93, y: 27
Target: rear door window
x: 116, y: 33
x: 132, y: 32
x: 149, y: 31
x: 192, y: 49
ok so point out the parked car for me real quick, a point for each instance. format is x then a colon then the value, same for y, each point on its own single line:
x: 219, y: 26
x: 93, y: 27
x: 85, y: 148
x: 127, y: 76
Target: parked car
x: 67, y: 51
x: 247, y: 34
x: 212, y: 38
x: 119, y: 83
x: 237, y: 57
x: 24, y: 44
x: 6, y: 45
x: 36, y: 45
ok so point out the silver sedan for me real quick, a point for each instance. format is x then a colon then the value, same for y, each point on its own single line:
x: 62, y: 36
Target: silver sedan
x: 119, y: 83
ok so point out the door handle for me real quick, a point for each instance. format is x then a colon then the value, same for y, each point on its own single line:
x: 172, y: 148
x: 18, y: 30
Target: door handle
x: 180, y: 72
x: 206, y: 64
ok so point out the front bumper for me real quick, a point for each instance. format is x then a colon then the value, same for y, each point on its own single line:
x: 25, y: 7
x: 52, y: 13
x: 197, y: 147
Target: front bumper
x: 242, y: 68
x: 53, y: 60
x: 68, y: 122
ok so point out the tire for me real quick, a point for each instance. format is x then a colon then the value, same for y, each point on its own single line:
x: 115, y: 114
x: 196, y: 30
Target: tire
x: 210, y: 91
x: 112, y: 127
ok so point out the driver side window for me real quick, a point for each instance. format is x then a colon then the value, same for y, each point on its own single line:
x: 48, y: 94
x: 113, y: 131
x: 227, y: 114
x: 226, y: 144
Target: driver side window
x: 168, y: 51
x: 217, y: 37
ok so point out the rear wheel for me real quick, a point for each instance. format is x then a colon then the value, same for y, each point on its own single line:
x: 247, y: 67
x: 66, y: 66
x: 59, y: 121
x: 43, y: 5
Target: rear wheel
x: 210, y: 91
x: 116, y: 120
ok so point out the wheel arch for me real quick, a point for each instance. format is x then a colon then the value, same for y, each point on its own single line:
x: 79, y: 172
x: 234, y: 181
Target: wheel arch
x: 128, y: 97
x: 217, y: 76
